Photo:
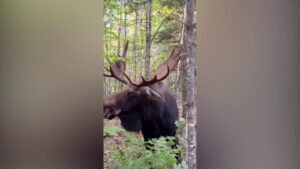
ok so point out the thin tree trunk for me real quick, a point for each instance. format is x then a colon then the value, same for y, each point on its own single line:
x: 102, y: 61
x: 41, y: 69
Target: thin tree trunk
x: 148, y: 38
x: 125, y: 19
x: 135, y: 41
x: 183, y: 25
x: 119, y: 34
x: 106, y: 79
x: 120, y: 84
x: 177, y: 76
x: 189, y: 84
x: 182, y: 41
x: 119, y: 44
x: 109, y: 80
x: 176, y: 79
x: 141, y: 51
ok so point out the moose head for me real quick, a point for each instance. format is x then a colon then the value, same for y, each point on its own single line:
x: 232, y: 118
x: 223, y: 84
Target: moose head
x: 134, y: 95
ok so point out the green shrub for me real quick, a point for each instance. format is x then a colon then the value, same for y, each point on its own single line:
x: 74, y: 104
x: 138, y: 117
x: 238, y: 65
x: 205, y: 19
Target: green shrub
x: 130, y: 152
x: 111, y: 130
x: 134, y: 155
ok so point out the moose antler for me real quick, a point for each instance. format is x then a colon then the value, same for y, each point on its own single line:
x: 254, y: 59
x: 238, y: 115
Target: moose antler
x: 117, y: 69
x: 162, y: 72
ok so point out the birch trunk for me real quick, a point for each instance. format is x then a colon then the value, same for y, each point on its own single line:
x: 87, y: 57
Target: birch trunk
x: 189, y: 84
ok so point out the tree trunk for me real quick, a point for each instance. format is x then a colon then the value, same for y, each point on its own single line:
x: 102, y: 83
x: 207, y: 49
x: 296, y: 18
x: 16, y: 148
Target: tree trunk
x: 120, y: 84
x: 125, y: 19
x: 178, y: 75
x: 183, y: 42
x: 189, y: 84
x: 119, y: 34
x: 141, y: 63
x: 119, y: 42
x: 148, y: 38
x: 135, y: 41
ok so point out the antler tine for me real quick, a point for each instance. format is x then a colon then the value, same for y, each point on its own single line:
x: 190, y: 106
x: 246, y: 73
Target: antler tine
x: 117, y: 74
x: 166, y: 75
x: 128, y: 78
x: 108, y: 62
x: 153, y: 80
x: 125, y: 49
x: 107, y: 75
x: 160, y: 74
x: 117, y: 69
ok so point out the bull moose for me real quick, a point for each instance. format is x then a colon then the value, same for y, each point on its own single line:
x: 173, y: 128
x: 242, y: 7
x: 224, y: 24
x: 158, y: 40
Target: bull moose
x: 146, y: 106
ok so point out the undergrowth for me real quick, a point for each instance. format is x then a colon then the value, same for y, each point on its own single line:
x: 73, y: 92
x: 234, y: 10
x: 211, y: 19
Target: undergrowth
x: 126, y: 150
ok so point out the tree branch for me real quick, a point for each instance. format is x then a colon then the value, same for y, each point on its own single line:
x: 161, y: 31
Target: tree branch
x: 163, y: 21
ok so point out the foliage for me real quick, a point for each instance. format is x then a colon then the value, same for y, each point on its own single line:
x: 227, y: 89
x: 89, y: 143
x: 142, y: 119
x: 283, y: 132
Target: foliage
x: 111, y: 130
x: 115, y: 58
x: 132, y: 153
x: 126, y: 20
x: 180, y: 125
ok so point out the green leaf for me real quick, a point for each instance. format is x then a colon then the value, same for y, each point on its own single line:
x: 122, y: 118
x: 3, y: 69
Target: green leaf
x: 111, y: 166
x: 111, y: 130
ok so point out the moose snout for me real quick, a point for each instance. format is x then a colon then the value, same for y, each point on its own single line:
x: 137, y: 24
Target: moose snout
x: 110, y: 113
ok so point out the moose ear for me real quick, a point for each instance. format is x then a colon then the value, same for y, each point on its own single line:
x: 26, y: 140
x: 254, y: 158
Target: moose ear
x: 152, y: 95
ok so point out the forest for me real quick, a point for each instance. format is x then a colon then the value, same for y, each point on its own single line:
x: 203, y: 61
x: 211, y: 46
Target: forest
x: 153, y: 28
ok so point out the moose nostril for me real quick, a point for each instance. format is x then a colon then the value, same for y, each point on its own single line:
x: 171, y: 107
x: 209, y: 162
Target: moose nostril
x: 106, y: 113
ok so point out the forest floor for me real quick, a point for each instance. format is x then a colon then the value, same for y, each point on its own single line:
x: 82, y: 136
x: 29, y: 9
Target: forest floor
x: 116, y: 139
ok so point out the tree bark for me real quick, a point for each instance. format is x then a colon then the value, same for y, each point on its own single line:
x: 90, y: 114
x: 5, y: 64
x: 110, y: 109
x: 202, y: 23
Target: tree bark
x: 125, y: 19
x: 141, y: 53
x: 119, y: 42
x: 189, y: 84
x: 119, y: 34
x: 148, y: 38
x: 120, y: 84
x: 135, y: 41
x: 183, y: 42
